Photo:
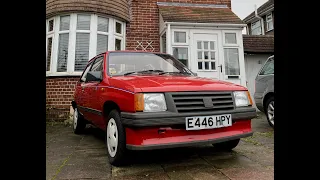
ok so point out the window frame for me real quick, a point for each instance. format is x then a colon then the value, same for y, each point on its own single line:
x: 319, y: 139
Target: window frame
x: 208, y: 60
x: 93, y: 33
x: 252, y: 24
x: 188, y: 58
x: 229, y: 44
x: 269, y: 21
x: 173, y: 43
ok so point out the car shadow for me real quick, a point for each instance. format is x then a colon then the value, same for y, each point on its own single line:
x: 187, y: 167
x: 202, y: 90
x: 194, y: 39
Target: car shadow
x: 144, y: 157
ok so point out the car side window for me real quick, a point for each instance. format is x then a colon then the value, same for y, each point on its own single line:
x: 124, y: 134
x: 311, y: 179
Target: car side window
x: 268, y: 68
x: 97, y: 65
x: 84, y: 75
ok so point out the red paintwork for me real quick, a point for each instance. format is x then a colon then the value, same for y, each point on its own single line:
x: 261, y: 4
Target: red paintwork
x: 121, y: 90
x: 150, y: 136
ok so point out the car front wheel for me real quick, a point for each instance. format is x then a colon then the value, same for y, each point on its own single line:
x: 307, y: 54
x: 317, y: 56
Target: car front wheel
x: 270, y: 111
x: 115, y: 139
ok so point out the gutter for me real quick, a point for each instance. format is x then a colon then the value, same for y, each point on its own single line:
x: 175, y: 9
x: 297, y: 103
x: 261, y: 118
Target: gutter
x: 205, y: 24
x: 261, y: 19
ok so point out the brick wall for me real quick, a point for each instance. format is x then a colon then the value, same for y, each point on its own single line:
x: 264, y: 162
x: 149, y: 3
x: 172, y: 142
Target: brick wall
x: 59, y: 94
x: 144, y: 25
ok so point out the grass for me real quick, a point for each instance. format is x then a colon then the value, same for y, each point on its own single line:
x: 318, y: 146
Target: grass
x: 268, y: 134
x: 251, y: 140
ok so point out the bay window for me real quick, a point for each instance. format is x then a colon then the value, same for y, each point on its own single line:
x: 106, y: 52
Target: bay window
x: 74, y: 39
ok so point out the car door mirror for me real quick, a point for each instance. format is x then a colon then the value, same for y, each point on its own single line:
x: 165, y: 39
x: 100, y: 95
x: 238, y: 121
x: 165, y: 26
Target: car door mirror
x: 94, y: 76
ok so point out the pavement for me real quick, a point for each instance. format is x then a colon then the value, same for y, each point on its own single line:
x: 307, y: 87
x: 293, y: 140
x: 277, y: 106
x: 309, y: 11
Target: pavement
x: 76, y: 157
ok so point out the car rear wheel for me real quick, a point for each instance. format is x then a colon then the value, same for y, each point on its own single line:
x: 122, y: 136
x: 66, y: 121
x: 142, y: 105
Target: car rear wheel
x: 228, y: 145
x: 115, y: 139
x: 269, y: 110
x: 79, y: 123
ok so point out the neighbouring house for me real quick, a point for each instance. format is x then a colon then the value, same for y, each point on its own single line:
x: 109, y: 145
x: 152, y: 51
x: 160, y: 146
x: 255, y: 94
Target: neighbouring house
x: 205, y: 35
x: 258, y: 44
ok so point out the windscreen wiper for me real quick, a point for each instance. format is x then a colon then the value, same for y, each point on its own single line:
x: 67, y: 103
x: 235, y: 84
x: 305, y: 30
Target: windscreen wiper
x: 146, y: 71
x: 175, y: 73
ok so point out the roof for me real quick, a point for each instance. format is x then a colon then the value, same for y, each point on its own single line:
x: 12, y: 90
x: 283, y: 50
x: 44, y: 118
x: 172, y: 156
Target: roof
x: 258, y: 43
x: 269, y: 5
x: 198, y: 14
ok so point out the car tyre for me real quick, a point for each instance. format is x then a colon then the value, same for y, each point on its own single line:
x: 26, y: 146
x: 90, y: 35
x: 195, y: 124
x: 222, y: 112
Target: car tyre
x: 79, y: 123
x: 228, y: 145
x: 115, y: 139
x: 269, y: 111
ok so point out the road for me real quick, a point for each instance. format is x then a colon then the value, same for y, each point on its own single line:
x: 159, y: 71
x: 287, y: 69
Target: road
x: 71, y: 156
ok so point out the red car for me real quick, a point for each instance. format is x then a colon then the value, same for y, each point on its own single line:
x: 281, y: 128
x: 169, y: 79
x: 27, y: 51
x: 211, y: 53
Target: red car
x: 145, y: 100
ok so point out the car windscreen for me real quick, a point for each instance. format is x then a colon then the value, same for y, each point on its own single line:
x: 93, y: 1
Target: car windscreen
x: 122, y: 63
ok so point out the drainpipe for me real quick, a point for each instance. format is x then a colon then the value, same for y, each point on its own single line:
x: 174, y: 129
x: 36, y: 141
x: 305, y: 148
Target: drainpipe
x: 261, y: 19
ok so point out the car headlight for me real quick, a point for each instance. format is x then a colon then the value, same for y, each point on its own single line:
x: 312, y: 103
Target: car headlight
x: 150, y: 102
x: 242, y: 98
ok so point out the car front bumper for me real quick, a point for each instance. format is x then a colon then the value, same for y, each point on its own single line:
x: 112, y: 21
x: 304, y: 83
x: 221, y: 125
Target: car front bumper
x: 145, y: 131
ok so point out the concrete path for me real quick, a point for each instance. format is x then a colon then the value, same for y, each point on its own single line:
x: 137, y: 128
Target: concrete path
x: 71, y: 156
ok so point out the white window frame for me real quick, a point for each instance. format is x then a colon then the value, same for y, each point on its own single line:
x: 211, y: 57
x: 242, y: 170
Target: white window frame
x: 269, y: 21
x: 72, y: 40
x: 228, y: 44
x: 179, y: 43
x: 208, y: 60
x: 50, y: 34
x: 232, y: 46
x: 252, y: 25
x: 188, y: 52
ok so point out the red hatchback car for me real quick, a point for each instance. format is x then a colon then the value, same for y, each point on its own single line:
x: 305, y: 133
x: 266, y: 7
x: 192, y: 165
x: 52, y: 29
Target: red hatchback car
x: 145, y: 100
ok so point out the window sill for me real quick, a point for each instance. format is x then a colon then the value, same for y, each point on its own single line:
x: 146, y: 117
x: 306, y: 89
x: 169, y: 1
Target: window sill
x: 50, y: 74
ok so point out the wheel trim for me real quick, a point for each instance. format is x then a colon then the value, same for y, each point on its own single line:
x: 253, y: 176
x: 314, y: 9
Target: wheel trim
x: 270, y: 112
x: 112, y: 137
x: 75, y: 118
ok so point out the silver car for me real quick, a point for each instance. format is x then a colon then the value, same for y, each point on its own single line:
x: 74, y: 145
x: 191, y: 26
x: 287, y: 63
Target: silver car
x: 264, y: 90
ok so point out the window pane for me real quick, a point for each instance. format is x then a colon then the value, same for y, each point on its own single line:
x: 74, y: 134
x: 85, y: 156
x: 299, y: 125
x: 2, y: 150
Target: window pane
x: 82, y: 51
x: 206, y: 55
x: 206, y: 65
x: 118, y: 44
x: 205, y: 45
x: 268, y: 67
x: 231, y: 38
x: 211, y: 45
x: 64, y: 23
x: 199, y: 45
x: 200, y: 65
x: 49, y: 48
x: 84, y: 76
x: 213, y: 65
x: 50, y: 25
x: 63, y: 52
x: 213, y: 57
x: 83, y: 22
x: 97, y: 66
x: 102, y: 43
x: 103, y: 24
x: 231, y: 61
x: 270, y: 25
x: 180, y: 37
x: 118, y: 28
x: 199, y: 54
x: 164, y: 43
x: 181, y: 54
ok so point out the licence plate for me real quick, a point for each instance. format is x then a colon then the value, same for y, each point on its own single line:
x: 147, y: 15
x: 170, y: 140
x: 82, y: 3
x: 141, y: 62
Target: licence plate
x: 208, y: 122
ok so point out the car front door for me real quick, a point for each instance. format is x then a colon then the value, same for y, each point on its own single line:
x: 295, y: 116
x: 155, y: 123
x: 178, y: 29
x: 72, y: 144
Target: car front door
x: 265, y: 79
x: 80, y: 98
x: 94, y: 111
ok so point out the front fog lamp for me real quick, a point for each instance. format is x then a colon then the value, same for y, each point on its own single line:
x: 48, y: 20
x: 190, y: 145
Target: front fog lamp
x: 242, y: 98
x: 150, y: 102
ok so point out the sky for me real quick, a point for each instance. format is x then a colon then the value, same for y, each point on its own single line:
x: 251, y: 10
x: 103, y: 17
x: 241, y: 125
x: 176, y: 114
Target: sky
x: 242, y: 8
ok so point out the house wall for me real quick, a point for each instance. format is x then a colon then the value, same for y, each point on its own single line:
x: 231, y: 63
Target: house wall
x: 144, y: 25
x: 253, y: 63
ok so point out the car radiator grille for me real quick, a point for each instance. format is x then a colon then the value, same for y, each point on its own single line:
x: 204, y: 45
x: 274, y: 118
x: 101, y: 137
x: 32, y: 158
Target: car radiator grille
x: 186, y: 102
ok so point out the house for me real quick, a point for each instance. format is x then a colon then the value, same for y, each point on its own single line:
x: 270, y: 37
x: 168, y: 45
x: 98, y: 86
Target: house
x: 205, y: 35
x: 259, y: 42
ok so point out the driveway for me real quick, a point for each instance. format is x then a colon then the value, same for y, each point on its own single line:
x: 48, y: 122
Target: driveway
x: 71, y: 156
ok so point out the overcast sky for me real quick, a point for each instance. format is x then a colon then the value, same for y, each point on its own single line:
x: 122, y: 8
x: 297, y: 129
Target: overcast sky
x: 243, y: 8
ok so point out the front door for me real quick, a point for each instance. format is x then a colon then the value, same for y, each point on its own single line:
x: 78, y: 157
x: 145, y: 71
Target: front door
x: 205, y: 57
